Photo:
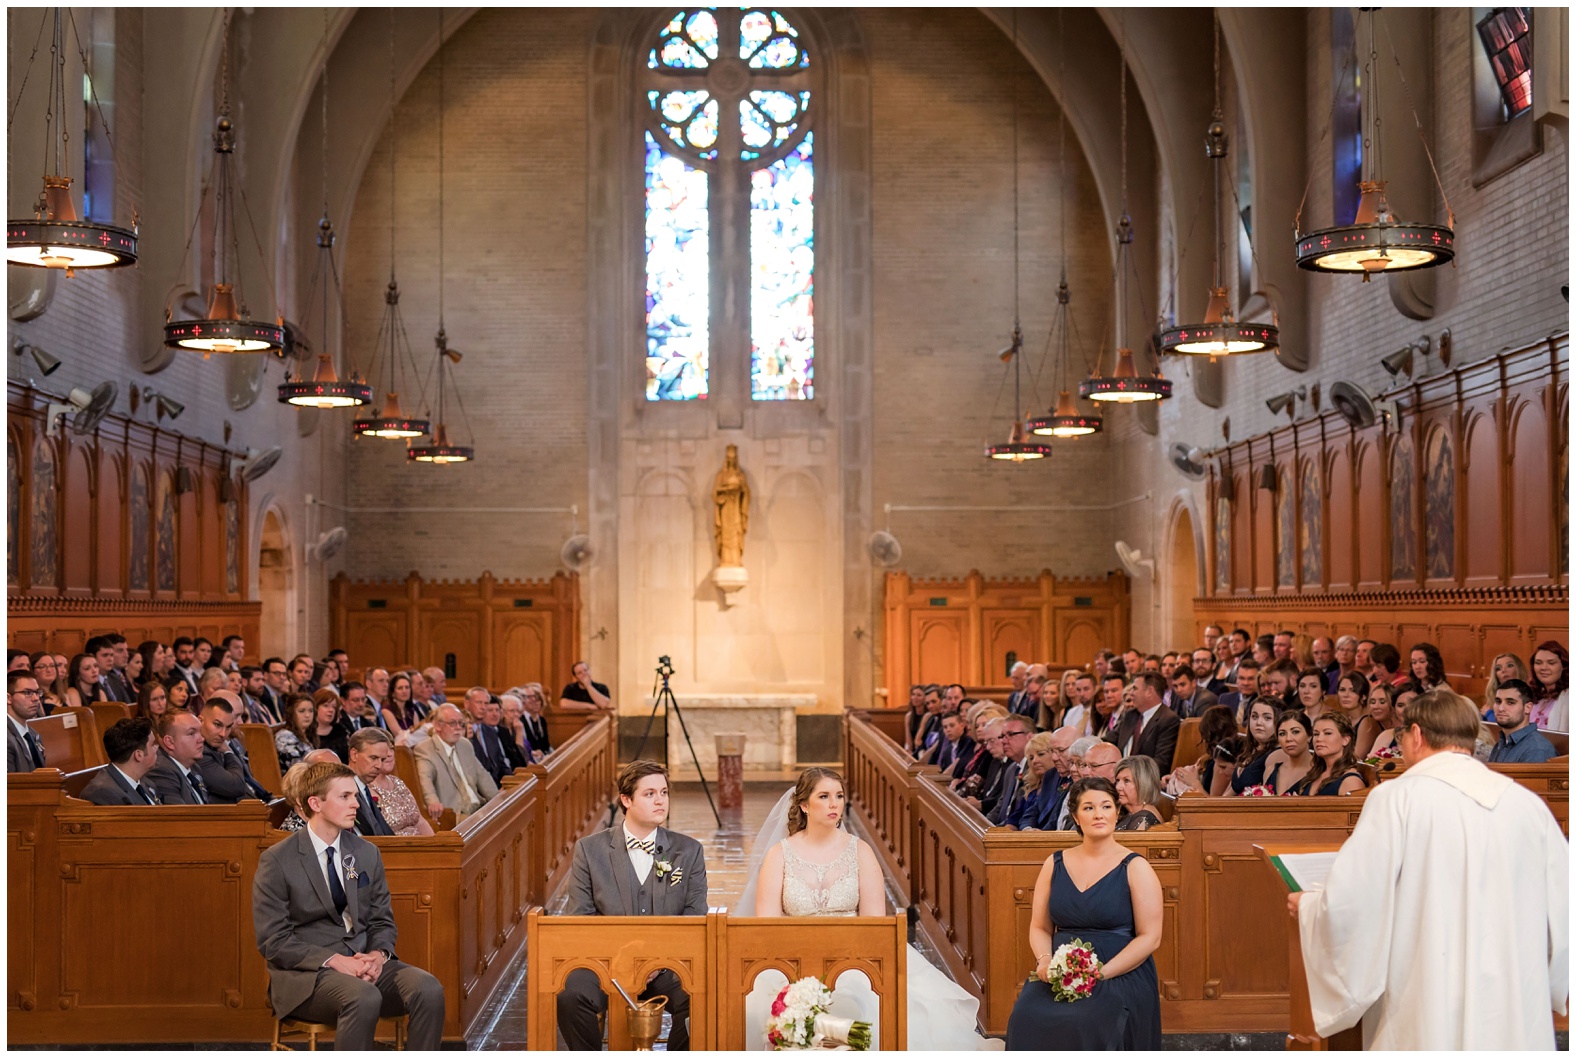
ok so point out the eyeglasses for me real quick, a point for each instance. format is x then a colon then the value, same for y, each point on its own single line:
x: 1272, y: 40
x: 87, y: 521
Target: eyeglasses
x: 1015, y: 734
x: 33, y: 693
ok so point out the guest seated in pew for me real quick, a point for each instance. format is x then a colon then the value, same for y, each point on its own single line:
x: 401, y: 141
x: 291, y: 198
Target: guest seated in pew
x: 1015, y: 732
x: 16, y: 661
x: 973, y: 775
x: 174, y: 777
x: 1352, y: 696
x: 1278, y: 678
x: 1211, y: 773
x: 1335, y: 769
x: 1504, y: 667
x: 51, y: 680
x: 258, y: 707
x: 530, y: 724
x: 397, y: 801
x: 82, y: 681
x: 370, y: 748
x: 210, y: 681
x: 1311, y: 693
x: 1241, y: 700
x: 291, y: 783
x: 398, y: 710
x: 24, y: 750
x: 132, y: 750
x: 498, y: 753
x: 955, y: 744
x: 152, y: 703
x: 1138, y: 793
x: 328, y: 731
x: 360, y: 712
x: 978, y: 783
x: 1038, y: 782
x: 1255, y: 748
x: 1149, y: 728
x: 331, y: 948
x: 132, y: 669
x: 178, y: 691
x: 1520, y: 741
x: 1551, y: 687
x: 294, y: 741
x: 226, y: 775
x: 1293, y: 760
x: 1387, y: 716
x: 1099, y: 762
x: 582, y: 692
x: 437, y: 688
x: 116, y: 689
x: 451, y: 776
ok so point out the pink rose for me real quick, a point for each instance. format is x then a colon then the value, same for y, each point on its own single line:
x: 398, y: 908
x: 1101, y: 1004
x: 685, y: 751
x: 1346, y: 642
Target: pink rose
x: 778, y: 1006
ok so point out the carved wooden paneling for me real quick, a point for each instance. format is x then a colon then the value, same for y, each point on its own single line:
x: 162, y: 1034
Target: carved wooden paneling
x: 962, y: 631
x: 1340, y: 559
x: 500, y: 632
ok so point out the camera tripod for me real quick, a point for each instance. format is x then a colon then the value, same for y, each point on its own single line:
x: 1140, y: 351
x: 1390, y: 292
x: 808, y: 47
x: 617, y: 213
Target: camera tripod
x: 663, y: 696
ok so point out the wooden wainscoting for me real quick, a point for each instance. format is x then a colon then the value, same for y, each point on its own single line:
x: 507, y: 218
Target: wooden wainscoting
x: 495, y: 633
x: 969, y: 630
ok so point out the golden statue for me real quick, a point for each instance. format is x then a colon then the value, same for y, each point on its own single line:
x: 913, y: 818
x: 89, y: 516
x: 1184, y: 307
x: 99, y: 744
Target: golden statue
x: 730, y: 498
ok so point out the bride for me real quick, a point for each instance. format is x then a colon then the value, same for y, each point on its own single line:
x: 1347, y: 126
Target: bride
x: 805, y: 863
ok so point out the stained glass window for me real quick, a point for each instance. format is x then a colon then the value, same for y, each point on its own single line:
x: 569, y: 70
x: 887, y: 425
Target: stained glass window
x: 702, y: 69
x: 1506, y: 33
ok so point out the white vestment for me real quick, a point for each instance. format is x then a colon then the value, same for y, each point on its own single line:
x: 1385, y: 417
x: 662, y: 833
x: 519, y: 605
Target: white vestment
x: 1442, y: 925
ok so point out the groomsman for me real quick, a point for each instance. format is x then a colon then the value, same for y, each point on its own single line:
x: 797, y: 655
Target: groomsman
x: 636, y: 868
x: 131, y: 750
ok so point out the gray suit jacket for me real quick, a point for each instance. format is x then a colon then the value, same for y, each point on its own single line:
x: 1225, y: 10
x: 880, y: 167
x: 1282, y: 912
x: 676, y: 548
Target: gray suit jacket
x: 109, y: 787
x: 438, y: 781
x: 18, y: 757
x: 294, y: 919
x: 600, y: 876
x: 167, y: 781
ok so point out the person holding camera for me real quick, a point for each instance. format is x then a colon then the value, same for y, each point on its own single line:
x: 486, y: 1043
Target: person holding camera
x: 583, y: 693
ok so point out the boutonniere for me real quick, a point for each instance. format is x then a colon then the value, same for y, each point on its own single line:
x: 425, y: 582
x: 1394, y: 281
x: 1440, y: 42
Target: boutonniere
x: 665, y: 869
x: 373, y: 794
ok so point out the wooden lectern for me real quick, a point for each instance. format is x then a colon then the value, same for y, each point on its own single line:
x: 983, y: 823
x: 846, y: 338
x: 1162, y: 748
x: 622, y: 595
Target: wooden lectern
x: 1303, y: 1036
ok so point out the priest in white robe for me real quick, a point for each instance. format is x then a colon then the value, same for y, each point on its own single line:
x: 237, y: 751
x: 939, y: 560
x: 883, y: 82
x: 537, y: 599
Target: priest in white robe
x: 1443, y: 922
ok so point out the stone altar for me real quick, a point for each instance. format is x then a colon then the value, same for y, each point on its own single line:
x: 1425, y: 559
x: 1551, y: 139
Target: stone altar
x: 766, y: 720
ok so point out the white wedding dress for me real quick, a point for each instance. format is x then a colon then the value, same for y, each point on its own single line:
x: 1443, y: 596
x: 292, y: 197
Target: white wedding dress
x: 941, y: 1015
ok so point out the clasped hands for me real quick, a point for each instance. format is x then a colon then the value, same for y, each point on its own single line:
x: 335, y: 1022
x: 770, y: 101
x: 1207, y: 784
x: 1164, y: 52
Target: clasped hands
x: 367, y: 965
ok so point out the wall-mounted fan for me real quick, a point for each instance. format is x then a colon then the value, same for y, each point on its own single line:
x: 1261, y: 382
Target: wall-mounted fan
x: 576, y: 552
x: 1189, y: 461
x: 884, y: 548
x: 90, y: 409
x: 1134, y: 562
x: 328, y: 544
x: 1361, y: 408
x: 257, y: 462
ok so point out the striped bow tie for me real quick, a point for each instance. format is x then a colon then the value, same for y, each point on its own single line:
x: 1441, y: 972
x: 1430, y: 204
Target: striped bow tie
x: 648, y: 846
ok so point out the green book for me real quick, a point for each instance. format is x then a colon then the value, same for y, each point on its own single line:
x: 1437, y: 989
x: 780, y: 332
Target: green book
x: 1304, y: 871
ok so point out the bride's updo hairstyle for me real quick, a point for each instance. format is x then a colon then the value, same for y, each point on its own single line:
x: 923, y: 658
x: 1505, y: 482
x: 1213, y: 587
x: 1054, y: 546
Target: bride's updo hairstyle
x: 1093, y: 784
x: 809, y: 779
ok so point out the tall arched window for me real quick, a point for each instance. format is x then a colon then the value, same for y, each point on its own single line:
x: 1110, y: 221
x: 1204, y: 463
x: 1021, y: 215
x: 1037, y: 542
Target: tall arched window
x: 730, y: 244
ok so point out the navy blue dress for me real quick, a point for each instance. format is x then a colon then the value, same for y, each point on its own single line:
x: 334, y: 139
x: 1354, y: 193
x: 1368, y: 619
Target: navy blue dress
x: 1123, y: 1014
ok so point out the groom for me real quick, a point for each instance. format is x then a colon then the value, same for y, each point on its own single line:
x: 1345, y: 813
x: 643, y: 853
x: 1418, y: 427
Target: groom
x: 638, y: 868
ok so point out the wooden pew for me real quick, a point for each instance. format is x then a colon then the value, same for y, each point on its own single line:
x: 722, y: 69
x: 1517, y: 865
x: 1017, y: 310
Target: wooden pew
x: 747, y: 946
x: 626, y: 950
x: 1190, y: 744
x: 106, y: 713
x: 1550, y: 780
x: 576, y: 785
x: 880, y: 780
x: 262, y: 754
x: 71, y: 739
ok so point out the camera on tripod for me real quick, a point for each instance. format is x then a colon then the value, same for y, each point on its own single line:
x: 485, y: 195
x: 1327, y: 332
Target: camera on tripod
x: 664, y: 667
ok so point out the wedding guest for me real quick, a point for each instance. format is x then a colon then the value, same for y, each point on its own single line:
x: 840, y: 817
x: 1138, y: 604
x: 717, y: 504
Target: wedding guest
x: 955, y: 745
x: 133, y: 669
x: 1365, y: 658
x: 16, y: 661
x: 1345, y: 661
x: 236, y: 685
x: 327, y: 730
x: 1103, y: 894
x: 1225, y: 673
x: 1385, y: 713
x: 24, y: 747
x: 1311, y: 692
x: 399, y: 711
x: 1081, y: 713
x: 1188, y: 699
x: 1279, y: 679
x: 294, y: 741
x: 232, y: 653
x: 1352, y: 697
x: 531, y: 722
x: 437, y: 687
x: 397, y: 802
x: 152, y: 702
x: 131, y: 749
x: 1263, y: 718
x: 1520, y: 742
x: 582, y: 692
x: 1387, y: 664
x: 1335, y: 771
x: 1551, y: 687
x: 151, y: 652
x: 51, y: 680
x: 82, y: 681
x: 1504, y: 667
x: 1428, y: 666
x: 183, y: 658
x: 179, y: 692
x: 1293, y: 758
x: 1211, y: 773
x: 1138, y: 793
x: 1241, y: 700
x: 1045, y: 781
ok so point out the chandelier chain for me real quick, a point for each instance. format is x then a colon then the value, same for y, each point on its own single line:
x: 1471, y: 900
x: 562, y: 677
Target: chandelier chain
x: 324, y: 130
x: 27, y: 72
x: 57, y: 95
x: 1423, y: 139
x: 1217, y: 162
x: 393, y: 156
x: 442, y: 51
x: 1329, y: 119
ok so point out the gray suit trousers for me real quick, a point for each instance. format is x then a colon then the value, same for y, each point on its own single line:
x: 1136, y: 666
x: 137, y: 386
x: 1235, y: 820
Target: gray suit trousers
x: 353, y: 1006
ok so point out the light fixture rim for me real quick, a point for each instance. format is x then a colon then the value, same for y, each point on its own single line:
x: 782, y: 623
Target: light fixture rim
x: 1045, y: 424
x: 359, y: 391
x: 1139, y: 389
x: 1444, y: 249
x: 370, y: 427
x: 1185, y: 333
x: 451, y: 453
x: 1018, y: 451
x: 29, y: 231
x: 272, y: 333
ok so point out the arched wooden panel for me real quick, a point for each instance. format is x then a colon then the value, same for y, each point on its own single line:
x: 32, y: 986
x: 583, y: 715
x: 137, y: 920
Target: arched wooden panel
x: 1010, y: 635
x: 111, y: 522
x: 524, y: 652
x: 192, y: 539
x: 1242, y: 545
x: 232, y: 547
x: 139, y: 529
x: 1373, y: 547
x: 1220, y: 525
x: 1439, y: 505
x: 456, y: 632
x: 14, y: 523
x: 1341, y: 562
x: 1529, y: 493
x: 76, y: 531
x: 1481, y: 499
x: 377, y: 637
x: 1080, y: 640
x: 1310, y: 532
x: 938, y: 647
x: 164, y: 533
x: 211, y: 520
x: 1285, y: 529
x: 1403, y: 511
x: 1263, y: 569
x: 44, y: 566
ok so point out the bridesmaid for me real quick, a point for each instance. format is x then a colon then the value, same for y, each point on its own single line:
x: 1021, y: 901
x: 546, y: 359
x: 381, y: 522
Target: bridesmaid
x: 1291, y: 763
x: 1109, y: 898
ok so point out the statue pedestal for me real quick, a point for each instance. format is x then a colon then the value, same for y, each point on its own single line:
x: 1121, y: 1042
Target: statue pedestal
x: 730, y: 770
x: 728, y: 580
x: 765, y: 720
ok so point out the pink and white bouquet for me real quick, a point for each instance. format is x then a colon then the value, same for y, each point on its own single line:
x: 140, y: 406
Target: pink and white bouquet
x: 1258, y: 790
x: 1383, y: 753
x: 799, y: 1020
x: 1072, y: 972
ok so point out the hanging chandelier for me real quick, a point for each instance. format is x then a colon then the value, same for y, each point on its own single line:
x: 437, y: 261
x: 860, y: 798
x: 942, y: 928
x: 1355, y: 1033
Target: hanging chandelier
x: 1124, y: 385
x: 438, y: 449
x: 325, y: 389
x: 1219, y: 334
x: 392, y: 422
x: 1019, y: 447
x: 55, y: 237
x: 1065, y: 420
x: 1376, y: 241
x: 226, y: 326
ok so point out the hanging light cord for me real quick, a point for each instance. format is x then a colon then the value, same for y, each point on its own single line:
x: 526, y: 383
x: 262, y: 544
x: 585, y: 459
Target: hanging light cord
x: 1417, y: 121
x: 17, y: 102
x: 109, y: 138
x: 1218, y: 118
x: 1329, y: 120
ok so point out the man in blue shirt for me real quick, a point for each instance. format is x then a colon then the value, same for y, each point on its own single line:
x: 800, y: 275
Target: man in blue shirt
x: 1519, y: 741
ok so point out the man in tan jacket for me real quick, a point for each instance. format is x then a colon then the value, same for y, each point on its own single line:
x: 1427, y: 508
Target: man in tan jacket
x: 451, y: 776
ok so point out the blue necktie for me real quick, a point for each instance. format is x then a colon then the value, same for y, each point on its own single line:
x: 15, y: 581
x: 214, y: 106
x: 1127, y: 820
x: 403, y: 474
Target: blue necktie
x: 335, y: 888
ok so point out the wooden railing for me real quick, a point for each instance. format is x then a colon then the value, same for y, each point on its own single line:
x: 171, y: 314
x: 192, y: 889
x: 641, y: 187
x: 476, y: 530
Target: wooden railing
x: 973, y: 884
x: 173, y: 884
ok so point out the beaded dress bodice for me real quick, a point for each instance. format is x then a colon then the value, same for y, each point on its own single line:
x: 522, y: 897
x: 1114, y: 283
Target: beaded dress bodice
x: 821, y: 889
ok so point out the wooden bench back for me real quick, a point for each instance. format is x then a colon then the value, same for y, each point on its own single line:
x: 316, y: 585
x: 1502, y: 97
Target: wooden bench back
x: 107, y: 713
x: 1190, y: 744
x: 70, y: 737
x: 262, y: 755
x: 625, y: 950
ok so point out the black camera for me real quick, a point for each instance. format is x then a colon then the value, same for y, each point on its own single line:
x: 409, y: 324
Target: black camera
x: 664, y: 666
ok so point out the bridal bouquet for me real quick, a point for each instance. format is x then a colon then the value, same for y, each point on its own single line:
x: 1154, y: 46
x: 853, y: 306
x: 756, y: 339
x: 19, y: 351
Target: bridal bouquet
x: 799, y: 1020
x: 1072, y: 972
x: 1382, y: 754
x: 1260, y: 790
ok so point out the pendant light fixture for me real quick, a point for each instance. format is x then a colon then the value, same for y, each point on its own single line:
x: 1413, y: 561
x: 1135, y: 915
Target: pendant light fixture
x: 226, y: 327
x: 1124, y: 385
x: 1220, y: 334
x: 55, y: 237
x: 392, y: 422
x: 1065, y: 420
x: 1376, y: 241
x: 438, y: 449
x: 325, y: 389
x: 1019, y: 447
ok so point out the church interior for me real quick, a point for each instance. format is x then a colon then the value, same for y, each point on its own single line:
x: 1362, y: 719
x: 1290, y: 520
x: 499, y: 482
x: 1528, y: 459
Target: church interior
x: 826, y: 359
